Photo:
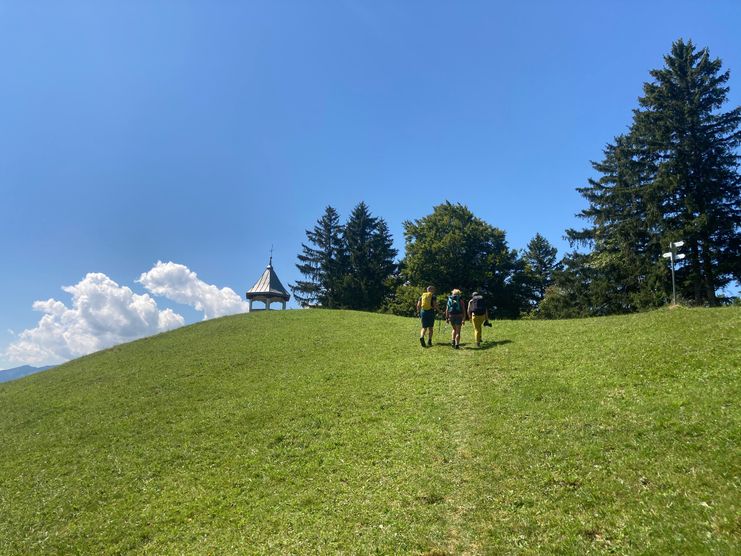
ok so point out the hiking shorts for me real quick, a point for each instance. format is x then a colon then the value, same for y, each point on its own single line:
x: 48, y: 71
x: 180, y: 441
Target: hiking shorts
x: 428, y: 318
x: 456, y: 320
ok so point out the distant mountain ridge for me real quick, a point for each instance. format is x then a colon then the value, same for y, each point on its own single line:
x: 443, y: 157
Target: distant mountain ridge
x: 19, y: 372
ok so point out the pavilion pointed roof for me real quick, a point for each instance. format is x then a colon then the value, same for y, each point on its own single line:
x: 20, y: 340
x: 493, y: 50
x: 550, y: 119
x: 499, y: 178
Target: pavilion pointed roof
x: 268, y: 286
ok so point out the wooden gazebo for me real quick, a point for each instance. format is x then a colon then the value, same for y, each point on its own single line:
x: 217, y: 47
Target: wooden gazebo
x: 268, y: 289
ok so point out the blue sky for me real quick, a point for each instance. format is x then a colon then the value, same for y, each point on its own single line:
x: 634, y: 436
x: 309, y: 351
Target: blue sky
x: 202, y: 133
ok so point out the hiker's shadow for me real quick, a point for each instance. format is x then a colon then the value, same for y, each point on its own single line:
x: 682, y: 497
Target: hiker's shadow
x: 488, y: 344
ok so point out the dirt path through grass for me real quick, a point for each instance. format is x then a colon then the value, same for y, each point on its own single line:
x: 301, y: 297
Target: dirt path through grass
x: 469, y: 371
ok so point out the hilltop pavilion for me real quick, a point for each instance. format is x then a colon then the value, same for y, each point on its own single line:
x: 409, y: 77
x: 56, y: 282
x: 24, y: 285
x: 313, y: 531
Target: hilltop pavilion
x: 268, y: 289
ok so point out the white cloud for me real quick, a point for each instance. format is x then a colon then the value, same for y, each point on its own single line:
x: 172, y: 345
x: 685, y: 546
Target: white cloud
x: 180, y: 284
x: 102, y: 314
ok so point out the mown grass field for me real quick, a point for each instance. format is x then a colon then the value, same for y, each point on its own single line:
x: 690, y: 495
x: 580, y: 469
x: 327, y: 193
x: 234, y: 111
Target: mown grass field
x: 311, y: 432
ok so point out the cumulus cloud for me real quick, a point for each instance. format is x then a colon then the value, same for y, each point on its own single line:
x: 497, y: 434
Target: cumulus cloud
x: 180, y: 284
x: 102, y: 314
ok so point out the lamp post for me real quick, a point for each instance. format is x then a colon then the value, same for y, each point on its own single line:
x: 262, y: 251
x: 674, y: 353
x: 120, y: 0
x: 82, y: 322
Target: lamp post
x: 672, y: 255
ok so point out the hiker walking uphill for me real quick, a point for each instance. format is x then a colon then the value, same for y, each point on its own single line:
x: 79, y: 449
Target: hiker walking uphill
x: 426, y: 307
x: 455, y: 314
x: 479, y: 315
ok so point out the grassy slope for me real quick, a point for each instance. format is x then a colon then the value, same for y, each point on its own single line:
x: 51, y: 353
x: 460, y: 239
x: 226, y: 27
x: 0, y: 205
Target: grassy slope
x: 306, y: 431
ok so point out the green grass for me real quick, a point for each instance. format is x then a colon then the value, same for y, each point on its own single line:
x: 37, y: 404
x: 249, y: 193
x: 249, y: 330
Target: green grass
x: 321, y: 432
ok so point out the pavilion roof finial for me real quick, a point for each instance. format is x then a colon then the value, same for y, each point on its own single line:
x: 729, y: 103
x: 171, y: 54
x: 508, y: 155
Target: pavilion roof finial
x: 271, y: 256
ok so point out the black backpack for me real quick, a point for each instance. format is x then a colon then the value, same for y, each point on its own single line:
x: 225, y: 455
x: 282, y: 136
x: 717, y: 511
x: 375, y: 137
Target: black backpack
x: 478, y: 307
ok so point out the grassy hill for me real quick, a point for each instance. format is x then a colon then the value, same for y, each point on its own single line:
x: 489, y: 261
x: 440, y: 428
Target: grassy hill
x: 323, y: 431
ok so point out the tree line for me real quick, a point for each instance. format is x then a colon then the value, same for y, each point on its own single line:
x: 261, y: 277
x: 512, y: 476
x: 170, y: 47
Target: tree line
x: 672, y: 176
x: 346, y: 265
x: 351, y: 265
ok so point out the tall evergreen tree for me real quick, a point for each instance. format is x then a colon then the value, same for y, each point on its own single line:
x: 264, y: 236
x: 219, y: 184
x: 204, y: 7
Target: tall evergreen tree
x: 324, y: 264
x: 370, y: 260
x: 625, y: 232
x: 541, y: 262
x: 695, y: 144
x: 673, y: 176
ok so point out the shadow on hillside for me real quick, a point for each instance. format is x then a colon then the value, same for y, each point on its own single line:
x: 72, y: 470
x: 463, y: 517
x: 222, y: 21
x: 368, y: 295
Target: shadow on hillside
x: 488, y: 344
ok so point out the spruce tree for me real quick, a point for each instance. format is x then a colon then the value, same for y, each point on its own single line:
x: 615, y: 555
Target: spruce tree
x: 694, y: 143
x: 541, y: 263
x: 323, y: 263
x: 625, y: 233
x: 383, y: 266
x: 673, y: 176
x: 370, y: 260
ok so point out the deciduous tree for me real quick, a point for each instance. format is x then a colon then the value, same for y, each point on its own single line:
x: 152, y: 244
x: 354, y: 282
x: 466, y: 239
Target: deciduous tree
x: 452, y: 248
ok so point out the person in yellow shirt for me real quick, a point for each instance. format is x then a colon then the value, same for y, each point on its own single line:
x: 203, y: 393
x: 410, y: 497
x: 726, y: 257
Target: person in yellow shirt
x: 426, y: 307
x: 479, y: 315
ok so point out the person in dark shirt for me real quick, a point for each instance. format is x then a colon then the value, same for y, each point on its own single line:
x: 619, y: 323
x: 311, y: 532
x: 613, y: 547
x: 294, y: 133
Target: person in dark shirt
x: 479, y: 315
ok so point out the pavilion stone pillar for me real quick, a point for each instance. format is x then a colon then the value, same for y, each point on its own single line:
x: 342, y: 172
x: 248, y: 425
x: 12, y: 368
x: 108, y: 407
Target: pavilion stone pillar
x: 268, y: 289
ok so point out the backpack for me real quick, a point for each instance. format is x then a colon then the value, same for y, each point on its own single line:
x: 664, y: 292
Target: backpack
x: 478, y: 307
x: 454, y: 305
x: 426, y: 301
